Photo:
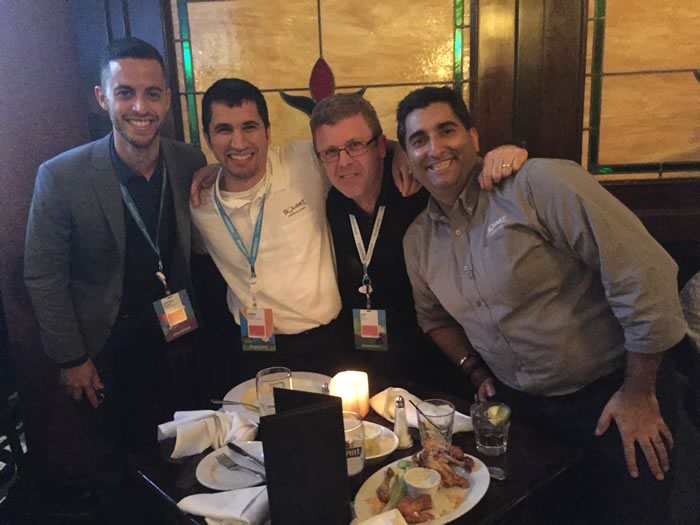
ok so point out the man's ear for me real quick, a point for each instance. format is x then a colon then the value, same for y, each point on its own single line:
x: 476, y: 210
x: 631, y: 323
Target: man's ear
x: 475, y: 138
x: 101, y: 97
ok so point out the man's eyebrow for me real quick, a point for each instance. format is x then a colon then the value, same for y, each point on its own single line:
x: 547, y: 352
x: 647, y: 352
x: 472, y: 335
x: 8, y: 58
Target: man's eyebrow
x: 416, y: 133
x: 251, y: 123
x: 222, y: 126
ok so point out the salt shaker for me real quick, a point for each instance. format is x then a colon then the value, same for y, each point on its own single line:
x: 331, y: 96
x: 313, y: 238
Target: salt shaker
x: 400, y: 424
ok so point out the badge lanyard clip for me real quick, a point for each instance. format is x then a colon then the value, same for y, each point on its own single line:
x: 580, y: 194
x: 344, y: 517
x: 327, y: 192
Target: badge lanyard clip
x: 366, y: 254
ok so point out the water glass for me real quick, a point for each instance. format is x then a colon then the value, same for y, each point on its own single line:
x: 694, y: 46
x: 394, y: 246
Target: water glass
x: 436, y: 418
x: 268, y: 379
x: 354, y: 442
x: 491, y: 422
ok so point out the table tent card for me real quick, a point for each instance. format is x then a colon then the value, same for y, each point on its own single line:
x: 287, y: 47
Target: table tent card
x: 304, y: 448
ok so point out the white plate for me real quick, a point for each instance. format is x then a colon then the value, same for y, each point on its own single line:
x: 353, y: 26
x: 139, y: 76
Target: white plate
x: 245, y: 392
x: 479, y: 483
x: 388, y: 441
x: 214, y: 475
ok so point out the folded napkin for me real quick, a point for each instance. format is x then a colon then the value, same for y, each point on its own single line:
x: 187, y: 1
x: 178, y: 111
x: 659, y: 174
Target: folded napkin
x: 392, y: 517
x: 197, y: 430
x: 379, y: 404
x: 247, y: 506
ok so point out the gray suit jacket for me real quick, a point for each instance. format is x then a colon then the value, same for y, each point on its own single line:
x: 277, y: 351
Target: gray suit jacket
x: 75, y: 246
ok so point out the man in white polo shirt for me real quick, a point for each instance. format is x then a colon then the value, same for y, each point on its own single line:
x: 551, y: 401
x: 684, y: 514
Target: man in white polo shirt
x: 263, y: 222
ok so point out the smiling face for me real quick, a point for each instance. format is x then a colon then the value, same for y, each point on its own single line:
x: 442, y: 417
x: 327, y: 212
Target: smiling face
x: 239, y: 140
x: 441, y: 151
x: 137, y: 100
x: 358, y: 178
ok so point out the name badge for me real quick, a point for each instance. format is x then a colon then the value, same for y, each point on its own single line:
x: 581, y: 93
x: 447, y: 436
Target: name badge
x: 370, y: 329
x: 176, y: 315
x: 256, y: 330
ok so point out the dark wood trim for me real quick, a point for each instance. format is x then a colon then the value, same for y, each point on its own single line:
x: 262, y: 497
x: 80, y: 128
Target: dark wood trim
x: 173, y: 72
x: 669, y: 208
x: 493, y: 89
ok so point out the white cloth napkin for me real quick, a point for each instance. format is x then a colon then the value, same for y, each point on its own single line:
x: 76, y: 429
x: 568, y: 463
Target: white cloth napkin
x: 392, y: 517
x: 197, y: 430
x: 462, y: 422
x: 247, y: 506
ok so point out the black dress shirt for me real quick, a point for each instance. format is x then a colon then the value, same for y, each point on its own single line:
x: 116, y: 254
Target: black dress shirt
x: 141, y: 286
x: 387, y: 269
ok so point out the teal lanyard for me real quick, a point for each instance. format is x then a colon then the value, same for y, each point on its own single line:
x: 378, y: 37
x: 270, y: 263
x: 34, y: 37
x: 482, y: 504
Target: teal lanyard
x: 252, y: 255
x: 134, y: 211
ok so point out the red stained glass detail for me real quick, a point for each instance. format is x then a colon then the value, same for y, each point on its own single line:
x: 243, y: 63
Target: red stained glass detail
x: 322, y: 82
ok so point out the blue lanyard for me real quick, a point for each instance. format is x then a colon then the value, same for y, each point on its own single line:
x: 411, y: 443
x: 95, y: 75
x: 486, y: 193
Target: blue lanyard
x: 252, y: 255
x: 134, y: 211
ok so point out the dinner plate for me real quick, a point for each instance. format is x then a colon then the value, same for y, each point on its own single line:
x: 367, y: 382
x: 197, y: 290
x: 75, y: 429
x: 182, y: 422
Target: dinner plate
x: 479, y: 483
x: 245, y: 392
x: 214, y: 475
x: 388, y: 441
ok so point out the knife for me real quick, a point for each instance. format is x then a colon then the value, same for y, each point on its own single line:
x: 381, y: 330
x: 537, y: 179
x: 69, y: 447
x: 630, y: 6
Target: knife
x: 242, y: 452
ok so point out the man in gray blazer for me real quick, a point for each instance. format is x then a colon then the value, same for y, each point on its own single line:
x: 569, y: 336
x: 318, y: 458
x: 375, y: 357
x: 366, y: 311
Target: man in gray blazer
x: 109, y: 235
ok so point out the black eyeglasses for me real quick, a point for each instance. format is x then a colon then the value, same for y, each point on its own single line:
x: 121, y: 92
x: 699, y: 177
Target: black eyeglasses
x: 354, y: 149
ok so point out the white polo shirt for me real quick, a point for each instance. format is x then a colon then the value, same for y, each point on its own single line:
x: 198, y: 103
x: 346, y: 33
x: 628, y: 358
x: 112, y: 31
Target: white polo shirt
x: 295, y: 268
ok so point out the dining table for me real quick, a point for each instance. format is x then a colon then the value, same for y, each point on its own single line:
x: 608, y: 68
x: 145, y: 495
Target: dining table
x: 533, y: 463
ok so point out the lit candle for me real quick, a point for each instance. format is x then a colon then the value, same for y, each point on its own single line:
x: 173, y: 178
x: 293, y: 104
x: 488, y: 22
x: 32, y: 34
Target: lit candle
x: 353, y: 388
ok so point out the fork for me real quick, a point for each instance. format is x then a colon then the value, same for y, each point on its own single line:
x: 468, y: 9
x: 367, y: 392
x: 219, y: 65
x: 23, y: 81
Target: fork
x: 229, y: 464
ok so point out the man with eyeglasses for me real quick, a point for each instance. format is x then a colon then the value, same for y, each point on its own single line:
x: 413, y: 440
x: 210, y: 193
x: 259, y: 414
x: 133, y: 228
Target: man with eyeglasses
x: 368, y: 217
x: 264, y: 224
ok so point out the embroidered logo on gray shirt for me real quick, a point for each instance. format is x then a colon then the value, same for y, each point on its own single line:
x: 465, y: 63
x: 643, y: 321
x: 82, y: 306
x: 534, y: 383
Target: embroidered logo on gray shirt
x: 496, y: 225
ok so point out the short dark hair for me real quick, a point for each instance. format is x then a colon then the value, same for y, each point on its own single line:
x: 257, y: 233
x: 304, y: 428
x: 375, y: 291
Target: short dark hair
x: 233, y: 92
x: 422, y: 98
x: 333, y: 109
x: 129, y: 47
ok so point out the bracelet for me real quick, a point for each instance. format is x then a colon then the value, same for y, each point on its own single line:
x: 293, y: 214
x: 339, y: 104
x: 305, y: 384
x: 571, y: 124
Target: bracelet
x: 473, y: 366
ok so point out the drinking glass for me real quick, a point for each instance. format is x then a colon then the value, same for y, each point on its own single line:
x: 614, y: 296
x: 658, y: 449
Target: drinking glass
x: 354, y: 442
x: 491, y: 422
x: 436, y: 418
x: 268, y: 379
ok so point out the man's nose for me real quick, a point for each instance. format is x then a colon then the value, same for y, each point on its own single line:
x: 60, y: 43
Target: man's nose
x: 436, y: 144
x: 237, y: 139
x: 344, y: 158
x: 139, y: 104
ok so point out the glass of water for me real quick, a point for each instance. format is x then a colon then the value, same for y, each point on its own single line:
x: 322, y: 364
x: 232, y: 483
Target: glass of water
x: 436, y: 418
x: 491, y: 421
x: 354, y: 442
x: 266, y: 380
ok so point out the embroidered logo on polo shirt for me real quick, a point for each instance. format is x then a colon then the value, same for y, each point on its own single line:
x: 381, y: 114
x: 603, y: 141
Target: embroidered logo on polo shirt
x: 496, y: 225
x: 294, y: 209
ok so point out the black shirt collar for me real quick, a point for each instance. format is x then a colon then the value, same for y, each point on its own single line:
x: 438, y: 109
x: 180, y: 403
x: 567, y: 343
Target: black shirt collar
x: 125, y: 173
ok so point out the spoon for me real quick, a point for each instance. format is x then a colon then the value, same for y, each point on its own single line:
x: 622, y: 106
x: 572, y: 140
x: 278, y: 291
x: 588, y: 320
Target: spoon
x: 227, y: 402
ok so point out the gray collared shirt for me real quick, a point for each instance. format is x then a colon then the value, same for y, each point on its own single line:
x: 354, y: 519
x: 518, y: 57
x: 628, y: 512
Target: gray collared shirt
x: 549, y: 275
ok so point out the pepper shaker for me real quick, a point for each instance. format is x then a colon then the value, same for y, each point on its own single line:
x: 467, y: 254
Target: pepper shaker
x: 400, y: 424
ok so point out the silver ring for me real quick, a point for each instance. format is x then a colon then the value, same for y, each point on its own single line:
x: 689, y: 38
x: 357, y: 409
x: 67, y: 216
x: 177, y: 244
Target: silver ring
x: 506, y: 165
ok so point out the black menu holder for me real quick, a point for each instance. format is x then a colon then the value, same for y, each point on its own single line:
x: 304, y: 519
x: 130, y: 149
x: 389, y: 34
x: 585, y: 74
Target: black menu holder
x: 304, y: 447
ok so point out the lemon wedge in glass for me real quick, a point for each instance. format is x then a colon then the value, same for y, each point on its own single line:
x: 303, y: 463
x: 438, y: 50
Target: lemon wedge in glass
x: 497, y: 414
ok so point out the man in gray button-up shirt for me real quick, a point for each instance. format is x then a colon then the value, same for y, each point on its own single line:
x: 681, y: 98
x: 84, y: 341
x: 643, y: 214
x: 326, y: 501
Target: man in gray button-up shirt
x: 548, y: 281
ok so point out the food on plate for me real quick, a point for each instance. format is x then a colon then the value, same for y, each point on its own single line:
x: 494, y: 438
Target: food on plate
x: 414, y: 510
x: 384, y: 490
x: 440, y: 456
x: 441, y: 483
